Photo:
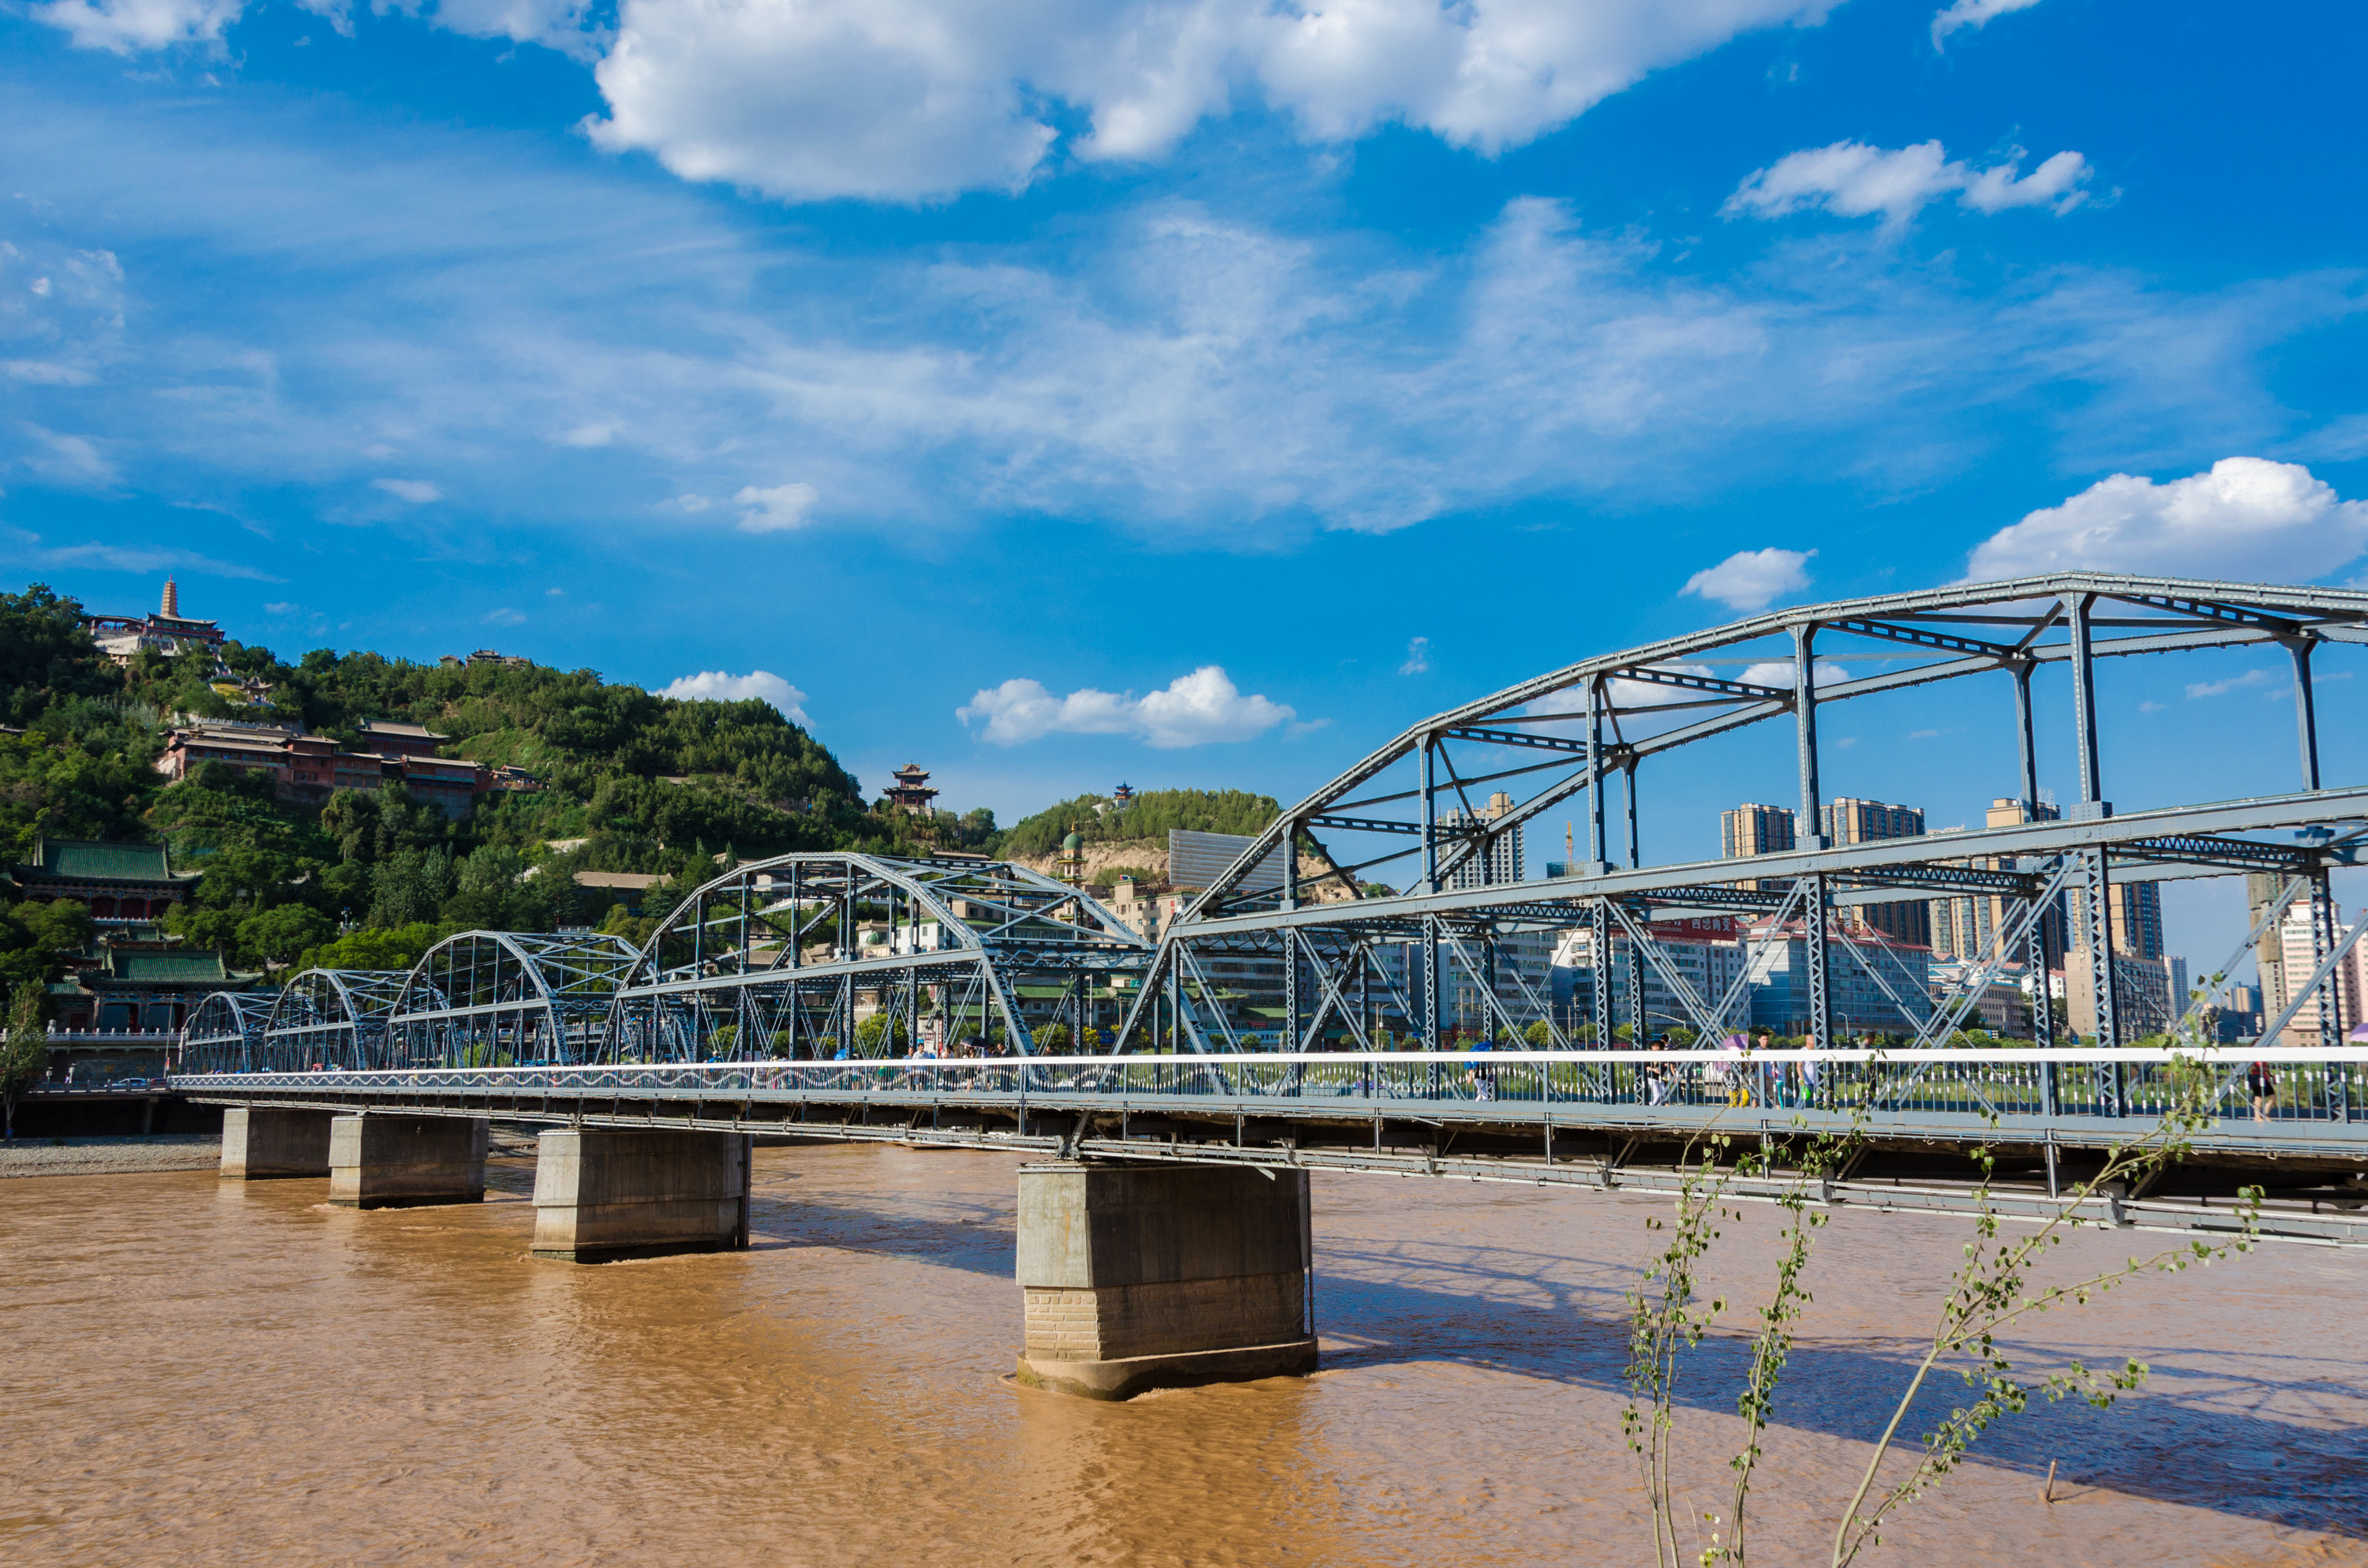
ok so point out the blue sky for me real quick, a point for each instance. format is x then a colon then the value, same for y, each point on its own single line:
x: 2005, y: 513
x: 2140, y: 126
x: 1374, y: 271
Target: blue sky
x: 912, y: 353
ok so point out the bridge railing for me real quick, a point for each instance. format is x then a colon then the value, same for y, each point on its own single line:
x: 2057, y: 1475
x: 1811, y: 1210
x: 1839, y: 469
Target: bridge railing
x: 2305, y: 1085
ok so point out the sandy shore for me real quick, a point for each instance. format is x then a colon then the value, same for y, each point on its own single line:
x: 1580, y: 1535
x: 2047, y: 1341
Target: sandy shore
x: 111, y: 1156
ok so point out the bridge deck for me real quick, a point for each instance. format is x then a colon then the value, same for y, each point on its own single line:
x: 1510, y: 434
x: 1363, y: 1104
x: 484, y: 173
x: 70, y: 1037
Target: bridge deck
x: 1599, y: 1121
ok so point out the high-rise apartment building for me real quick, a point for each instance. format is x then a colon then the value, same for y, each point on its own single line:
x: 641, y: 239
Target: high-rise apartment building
x: 1968, y: 925
x: 1852, y: 821
x: 1500, y: 859
x: 1755, y: 830
x: 2298, y: 959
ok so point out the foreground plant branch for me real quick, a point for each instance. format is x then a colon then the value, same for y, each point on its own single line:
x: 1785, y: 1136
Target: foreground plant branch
x: 1992, y: 1293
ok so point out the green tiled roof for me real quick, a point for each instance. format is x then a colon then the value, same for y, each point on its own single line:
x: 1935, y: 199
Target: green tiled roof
x: 101, y: 862
x: 152, y: 968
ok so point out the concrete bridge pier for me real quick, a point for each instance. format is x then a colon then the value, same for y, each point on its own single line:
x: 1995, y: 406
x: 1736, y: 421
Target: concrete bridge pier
x: 1158, y: 1276
x: 603, y: 1193
x: 407, y: 1162
x: 261, y: 1142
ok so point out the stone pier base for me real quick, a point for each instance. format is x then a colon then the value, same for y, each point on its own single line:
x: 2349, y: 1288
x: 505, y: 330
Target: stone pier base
x: 601, y: 1194
x: 405, y: 1162
x: 263, y: 1142
x: 1143, y: 1276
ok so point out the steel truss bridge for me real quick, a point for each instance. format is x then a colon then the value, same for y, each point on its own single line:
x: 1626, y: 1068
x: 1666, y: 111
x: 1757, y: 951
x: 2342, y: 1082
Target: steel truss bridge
x: 824, y: 994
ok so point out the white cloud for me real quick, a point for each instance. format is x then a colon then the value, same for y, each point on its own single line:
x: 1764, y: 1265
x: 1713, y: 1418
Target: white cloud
x: 2246, y: 518
x: 46, y: 373
x: 1203, y: 379
x: 1417, y: 659
x: 72, y: 461
x: 1973, y: 13
x: 505, y: 616
x: 588, y: 436
x: 777, y: 510
x: 1752, y: 579
x: 715, y: 686
x: 2233, y: 683
x: 418, y: 492
x: 1189, y: 710
x: 28, y: 547
x: 123, y: 26
x: 919, y: 100
x: 1851, y: 179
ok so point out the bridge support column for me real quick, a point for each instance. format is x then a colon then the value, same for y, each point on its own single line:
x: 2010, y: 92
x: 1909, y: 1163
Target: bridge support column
x: 1142, y: 1277
x: 262, y: 1143
x: 407, y: 1162
x: 601, y: 1194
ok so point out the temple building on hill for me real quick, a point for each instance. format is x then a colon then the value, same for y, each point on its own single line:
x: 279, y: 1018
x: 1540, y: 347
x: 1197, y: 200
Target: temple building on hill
x: 125, y: 884
x: 912, y: 793
x: 310, y: 769
x: 122, y: 637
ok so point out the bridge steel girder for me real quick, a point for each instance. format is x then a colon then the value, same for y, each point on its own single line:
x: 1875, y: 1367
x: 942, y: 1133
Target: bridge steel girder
x: 493, y: 997
x: 225, y: 1033
x: 727, y: 959
x: 331, y: 1017
x: 734, y: 955
x: 2117, y: 616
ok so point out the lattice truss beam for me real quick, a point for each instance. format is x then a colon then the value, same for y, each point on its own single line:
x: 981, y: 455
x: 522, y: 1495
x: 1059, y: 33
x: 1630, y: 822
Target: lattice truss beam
x: 799, y: 956
x: 1434, y: 808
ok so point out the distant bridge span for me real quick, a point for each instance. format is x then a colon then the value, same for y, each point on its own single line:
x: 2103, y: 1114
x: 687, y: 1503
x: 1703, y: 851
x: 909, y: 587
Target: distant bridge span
x: 1293, y: 1023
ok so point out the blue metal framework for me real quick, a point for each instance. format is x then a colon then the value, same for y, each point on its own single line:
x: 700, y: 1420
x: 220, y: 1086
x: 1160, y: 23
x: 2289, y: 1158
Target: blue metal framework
x: 498, y: 998
x: 821, y: 955
x: 1349, y: 962
x: 937, y: 979
x: 225, y: 1034
x: 330, y: 1017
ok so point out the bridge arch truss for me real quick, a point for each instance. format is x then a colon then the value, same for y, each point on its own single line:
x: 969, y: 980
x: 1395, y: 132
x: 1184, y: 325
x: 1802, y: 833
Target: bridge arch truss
x: 809, y: 955
x: 498, y: 998
x: 1443, y: 806
x: 226, y: 1032
x: 330, y: 1017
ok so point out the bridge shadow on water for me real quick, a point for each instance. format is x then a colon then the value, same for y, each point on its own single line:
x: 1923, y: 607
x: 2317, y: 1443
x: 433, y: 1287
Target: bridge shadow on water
x: 2194, y: 1438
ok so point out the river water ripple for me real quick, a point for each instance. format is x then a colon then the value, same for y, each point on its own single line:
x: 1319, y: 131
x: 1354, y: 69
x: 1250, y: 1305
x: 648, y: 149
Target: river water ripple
x: 203, y: 1371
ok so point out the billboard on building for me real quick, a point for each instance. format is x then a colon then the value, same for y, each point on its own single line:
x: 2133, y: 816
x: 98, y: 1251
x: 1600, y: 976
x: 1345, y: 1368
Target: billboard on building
x: 1196, y: 861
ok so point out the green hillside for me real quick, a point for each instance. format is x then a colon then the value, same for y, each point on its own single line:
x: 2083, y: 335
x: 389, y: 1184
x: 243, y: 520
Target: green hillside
x: 1149, y: 816
x: 650, y: 784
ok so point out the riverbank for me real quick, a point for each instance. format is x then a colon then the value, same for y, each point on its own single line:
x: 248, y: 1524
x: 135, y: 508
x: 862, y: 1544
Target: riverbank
x: 111, y: 1156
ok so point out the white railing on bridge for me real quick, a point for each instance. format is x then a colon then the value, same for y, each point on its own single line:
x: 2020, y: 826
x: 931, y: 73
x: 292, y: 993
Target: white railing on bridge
x: 2301, y: 1084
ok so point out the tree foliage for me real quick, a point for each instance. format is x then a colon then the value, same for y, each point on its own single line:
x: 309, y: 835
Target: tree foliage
x: 1148, y: 815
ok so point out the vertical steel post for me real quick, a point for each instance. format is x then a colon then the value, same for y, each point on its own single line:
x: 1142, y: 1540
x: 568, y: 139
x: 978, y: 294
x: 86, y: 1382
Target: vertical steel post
x: 1599, y: 947
x: 2084, y: 703
x: 2042, y: 1012
x: 1365, y: 991
x: 1434, y: 1005
x: 1291, y: 1020
x: 1810, y: 832
x: 1812, y: 932
x: 1430, y: 820
x: 1595, y: 772
x: 2097, y: 916
x: 1630, y: 770
x: 1488, y: 981
x: 1640, y: 1020
x: 2330, y: 998
x: 2027, y: 748
x: 2306, y: 710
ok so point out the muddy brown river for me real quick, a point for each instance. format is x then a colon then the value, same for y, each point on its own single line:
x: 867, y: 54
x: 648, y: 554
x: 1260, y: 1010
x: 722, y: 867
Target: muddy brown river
x: 202, y: 1371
